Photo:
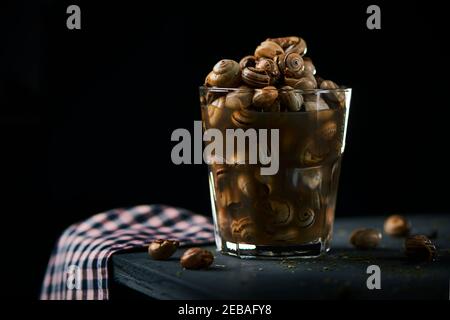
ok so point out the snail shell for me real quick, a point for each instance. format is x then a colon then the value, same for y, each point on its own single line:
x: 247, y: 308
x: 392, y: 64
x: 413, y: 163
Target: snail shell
x: 365, y: 238
x: 217, y: 114
x: 312, y: 178
x: 270, y: 66
x: 239, y: 99
x: 305, y: 217
x: 309, y: 66
x: 268, y: 49
x: 226, y: 73
x: 305, y: 83
x: 257, y: 78
x: 328, y: 131
x: 335, y: 97
x: 316, y: 103
x: 281, y: 214
x: 313, y: 152
x: 285, y: 42
x: 244, y: 229
x: 264, y: 98
x: 290, y: 98
x: 299, y: 47
x: 291, y: 64
x: 251, y: 187
x: 247, y: 61
x: 319, y: 81
x: 243, y: 118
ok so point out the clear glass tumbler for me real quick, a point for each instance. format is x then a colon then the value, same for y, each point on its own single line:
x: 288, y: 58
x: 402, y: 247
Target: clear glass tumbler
x: 290, y: 213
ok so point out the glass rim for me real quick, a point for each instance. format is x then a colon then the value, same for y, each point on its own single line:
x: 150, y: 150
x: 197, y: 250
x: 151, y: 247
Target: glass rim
x: 305, y: 91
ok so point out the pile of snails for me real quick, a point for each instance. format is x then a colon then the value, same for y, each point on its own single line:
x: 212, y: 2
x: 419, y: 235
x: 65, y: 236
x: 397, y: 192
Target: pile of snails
x: 277, y: 77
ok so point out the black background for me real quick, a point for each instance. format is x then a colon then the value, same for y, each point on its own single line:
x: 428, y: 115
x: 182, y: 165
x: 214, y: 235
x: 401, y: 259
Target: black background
x: 86, y: 115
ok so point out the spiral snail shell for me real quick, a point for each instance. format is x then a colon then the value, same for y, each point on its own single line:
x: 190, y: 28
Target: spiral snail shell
x: 270, y: 66
x: 226, y: 73
x: 268, y: 49
x: 247, y: 61
x: 305, y: 217
x: 281, y: 214
x: 291, y: 64
x: 257, y: 78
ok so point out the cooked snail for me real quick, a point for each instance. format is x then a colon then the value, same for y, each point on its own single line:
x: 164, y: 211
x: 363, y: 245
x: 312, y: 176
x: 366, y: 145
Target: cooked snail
x: 290, y: 98
x: 290, y: 64
x: 257, y: 78
x: 268, y: 49
x: 226, y: 73
x: 264, y: 98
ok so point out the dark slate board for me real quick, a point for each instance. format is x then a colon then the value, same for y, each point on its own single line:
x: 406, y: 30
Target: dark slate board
x: 339, y: 275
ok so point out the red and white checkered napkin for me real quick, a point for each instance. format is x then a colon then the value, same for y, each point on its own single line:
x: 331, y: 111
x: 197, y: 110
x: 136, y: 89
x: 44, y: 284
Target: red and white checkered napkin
x: 78, y: 266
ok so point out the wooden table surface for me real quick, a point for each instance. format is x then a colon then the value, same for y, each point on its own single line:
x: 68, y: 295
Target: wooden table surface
x: 341, y: 274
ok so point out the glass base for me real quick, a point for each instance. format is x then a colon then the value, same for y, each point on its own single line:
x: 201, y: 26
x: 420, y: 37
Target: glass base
x: 250, y: 251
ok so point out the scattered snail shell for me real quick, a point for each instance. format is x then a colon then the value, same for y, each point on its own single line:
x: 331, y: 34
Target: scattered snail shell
x: 313, y: 153
x: 315, y: 104
x: 226, y: 73
x: 299, y: 47
x: 239, y: 99
x: 290, y: 64
x: 365, y: 238
x: 420, y: 248
x: 290, y: 98
x: 270, y: 66
x: 265, y: 97
x: 397, y: 226
x: 268, y: 49
x: 305, y: 217
x: 161, y: 249
x: 196, y: 258
x: 328, y: 131
x: 309, y: 66
x: 257, y: 78
x: 247, y: 61
x: 285, y: 42
x: 282, y: 213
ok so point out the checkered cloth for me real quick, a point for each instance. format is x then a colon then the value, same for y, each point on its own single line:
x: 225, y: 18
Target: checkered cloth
x: 78, y: 266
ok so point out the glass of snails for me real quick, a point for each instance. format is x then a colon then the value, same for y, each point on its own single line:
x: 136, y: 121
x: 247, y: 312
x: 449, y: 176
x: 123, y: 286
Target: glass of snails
x: 289, y: 213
